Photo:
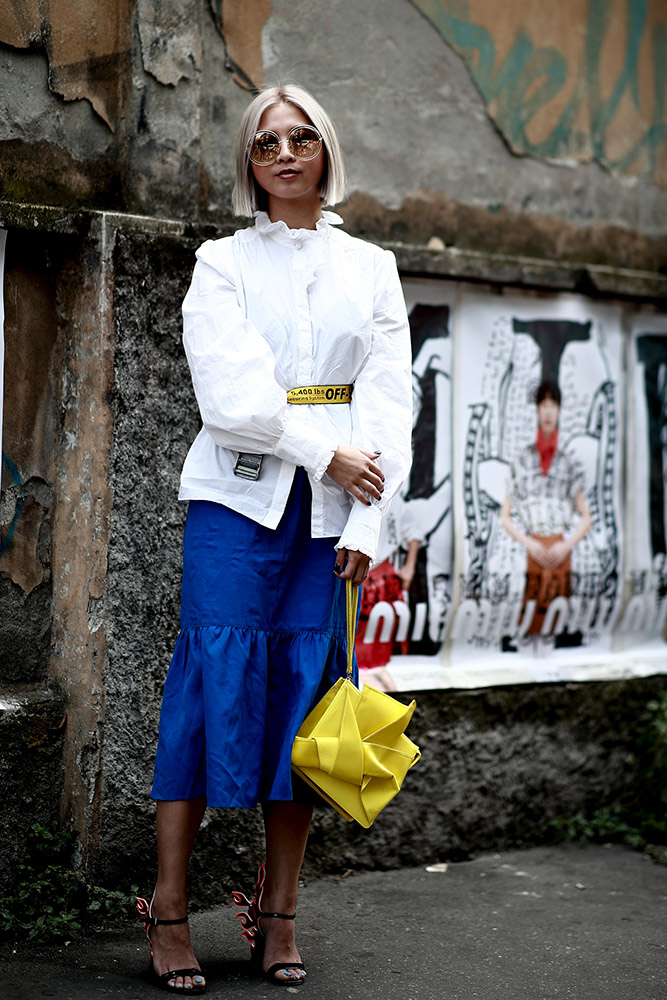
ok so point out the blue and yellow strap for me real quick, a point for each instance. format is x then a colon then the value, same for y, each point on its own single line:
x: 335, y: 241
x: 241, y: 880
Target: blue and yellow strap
x: 351, y: 607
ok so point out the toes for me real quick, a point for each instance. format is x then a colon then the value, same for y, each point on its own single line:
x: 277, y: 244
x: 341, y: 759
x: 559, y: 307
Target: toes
x: 189, y: 984
x: 290, y: 975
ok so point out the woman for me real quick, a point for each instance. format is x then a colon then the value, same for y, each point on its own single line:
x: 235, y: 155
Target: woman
x: 546, y: 493
x: 298, y: 344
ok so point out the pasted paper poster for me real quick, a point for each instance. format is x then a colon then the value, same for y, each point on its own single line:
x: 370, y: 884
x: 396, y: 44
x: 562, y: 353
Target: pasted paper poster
x: 537, y: 473
x: 404, y: 617
x: 3, y: 241
x: 642, y: 630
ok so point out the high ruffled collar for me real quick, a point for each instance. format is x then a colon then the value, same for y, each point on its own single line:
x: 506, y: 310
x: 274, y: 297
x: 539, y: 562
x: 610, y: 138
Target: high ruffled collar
x: 279, y: 230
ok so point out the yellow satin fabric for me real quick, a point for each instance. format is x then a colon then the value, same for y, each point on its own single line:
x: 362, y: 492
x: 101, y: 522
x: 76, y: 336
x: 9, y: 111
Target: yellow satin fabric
x: 352, y: 747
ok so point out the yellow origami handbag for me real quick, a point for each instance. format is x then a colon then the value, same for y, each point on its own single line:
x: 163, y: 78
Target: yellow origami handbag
x: 352, y: 747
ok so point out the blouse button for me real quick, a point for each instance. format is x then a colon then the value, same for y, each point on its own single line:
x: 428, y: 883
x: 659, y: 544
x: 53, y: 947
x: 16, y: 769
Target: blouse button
x: 298, y: 246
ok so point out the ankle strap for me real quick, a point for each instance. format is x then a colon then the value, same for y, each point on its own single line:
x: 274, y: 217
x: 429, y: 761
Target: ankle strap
x: 154, y: 921
x: 282, y: 916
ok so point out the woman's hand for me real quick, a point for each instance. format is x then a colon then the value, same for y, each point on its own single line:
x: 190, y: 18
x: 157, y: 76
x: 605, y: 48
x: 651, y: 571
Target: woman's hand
x: 538, y: 551
x: 356, y: 567
x: 355, y: 470
x: 557, y: 554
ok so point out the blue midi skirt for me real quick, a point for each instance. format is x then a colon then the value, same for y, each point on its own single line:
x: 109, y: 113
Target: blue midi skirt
x: 263, y: 637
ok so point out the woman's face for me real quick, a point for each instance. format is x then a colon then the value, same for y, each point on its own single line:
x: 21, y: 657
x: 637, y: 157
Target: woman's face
x: 288, y: 177
x: 548, y: 413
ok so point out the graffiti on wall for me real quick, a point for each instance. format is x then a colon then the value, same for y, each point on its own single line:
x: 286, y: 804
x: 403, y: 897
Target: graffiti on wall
x: 578, y: 80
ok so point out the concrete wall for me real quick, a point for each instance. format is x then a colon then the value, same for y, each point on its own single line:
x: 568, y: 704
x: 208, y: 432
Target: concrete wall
x: 525, y: 150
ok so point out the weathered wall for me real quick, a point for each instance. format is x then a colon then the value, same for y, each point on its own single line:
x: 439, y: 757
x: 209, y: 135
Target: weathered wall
x: 497, y: 764
x: 530, y: 148
x: 555, y: 114
x: 31, y: 409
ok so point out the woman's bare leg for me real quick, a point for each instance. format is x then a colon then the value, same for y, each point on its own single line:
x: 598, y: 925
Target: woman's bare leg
x: 177, y: 826
x: 287, y: 825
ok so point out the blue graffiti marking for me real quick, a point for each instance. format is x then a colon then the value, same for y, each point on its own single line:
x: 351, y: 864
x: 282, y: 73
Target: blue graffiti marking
x: 14, y: 473
x: 530, y: 77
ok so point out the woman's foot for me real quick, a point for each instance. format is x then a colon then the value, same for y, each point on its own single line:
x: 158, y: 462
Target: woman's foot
x: 281, y: 960
x: 172, y: 948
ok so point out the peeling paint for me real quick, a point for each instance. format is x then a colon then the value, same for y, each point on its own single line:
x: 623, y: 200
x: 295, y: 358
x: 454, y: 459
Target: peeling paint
x: 88, y: 47
x: 240, y: 25
x: 170, y: 39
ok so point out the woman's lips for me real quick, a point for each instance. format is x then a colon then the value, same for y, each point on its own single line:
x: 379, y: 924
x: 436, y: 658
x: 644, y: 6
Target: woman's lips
x: 288, y: 173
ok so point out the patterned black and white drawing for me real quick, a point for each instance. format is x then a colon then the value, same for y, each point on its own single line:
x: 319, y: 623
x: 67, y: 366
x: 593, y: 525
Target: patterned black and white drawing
x: 507, y: 348
x: 420, y: 517
x: 642, y: 627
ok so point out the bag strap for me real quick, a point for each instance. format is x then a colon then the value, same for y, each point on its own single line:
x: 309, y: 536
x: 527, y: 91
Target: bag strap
x: 351, y: 606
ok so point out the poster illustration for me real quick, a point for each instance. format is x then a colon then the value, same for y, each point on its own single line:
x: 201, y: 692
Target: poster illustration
x: 406, y: 603
x: 642, y: 629
x: 3, y: 240
x: 537, y: 466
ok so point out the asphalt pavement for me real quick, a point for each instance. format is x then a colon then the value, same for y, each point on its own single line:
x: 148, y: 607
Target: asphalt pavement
x: 564, y: 921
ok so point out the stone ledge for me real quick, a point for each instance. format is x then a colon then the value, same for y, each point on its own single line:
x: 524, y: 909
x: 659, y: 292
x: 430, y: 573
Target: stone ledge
x: 594, y: 280
x: 414, y: 260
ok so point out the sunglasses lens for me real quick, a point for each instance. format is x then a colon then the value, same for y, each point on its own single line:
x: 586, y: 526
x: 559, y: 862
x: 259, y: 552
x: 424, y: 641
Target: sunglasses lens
x: 305, y: 142
x: 265, y: 148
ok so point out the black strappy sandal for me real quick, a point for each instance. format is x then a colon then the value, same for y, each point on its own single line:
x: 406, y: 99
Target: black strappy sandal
x: 254, y: 935
x: 163, y: 982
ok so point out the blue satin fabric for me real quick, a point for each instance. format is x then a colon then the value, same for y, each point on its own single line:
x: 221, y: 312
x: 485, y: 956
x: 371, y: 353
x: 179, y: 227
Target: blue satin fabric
x: 262, y: 640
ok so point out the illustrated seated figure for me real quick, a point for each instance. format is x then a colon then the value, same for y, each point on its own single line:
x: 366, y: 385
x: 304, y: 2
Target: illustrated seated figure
x: 545, y: 508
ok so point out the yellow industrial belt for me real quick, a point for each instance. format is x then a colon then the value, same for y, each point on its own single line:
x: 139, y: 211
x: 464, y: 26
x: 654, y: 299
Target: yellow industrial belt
x: 320, y: 394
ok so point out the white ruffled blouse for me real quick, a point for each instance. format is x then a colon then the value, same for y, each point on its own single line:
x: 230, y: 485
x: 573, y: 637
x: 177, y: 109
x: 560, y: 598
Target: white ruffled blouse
x: 270, y: 309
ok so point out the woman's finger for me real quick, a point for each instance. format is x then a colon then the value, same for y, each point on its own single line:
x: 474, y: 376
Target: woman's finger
x: 374, y: 488
x: 359, y: 494
x: 339, y: 564
x: 377, y: 481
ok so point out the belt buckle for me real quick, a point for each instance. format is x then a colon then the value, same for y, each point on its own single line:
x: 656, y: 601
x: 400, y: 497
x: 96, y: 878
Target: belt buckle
x: 248, y: 466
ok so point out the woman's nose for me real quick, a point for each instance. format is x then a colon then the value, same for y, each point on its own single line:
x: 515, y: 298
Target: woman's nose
x: 285, y: 151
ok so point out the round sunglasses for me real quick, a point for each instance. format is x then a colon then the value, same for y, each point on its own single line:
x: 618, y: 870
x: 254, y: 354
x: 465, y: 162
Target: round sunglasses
x: 303, y: 141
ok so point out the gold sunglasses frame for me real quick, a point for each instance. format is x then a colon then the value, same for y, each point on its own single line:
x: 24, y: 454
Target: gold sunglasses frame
x: 269, y: 131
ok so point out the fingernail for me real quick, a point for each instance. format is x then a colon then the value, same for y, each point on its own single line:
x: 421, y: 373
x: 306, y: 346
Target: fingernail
x: 338, y: 569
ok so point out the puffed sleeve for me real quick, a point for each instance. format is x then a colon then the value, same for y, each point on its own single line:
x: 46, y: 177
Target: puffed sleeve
x: 382, y: 404
x: 242, y: 405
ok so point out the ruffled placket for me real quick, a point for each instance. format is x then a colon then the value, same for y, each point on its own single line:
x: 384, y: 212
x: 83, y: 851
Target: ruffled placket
x: 308, y: 249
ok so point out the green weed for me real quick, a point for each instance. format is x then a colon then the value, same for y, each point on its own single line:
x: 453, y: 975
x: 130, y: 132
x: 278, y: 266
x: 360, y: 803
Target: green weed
x: 640, y: 820
x: 52, y: 900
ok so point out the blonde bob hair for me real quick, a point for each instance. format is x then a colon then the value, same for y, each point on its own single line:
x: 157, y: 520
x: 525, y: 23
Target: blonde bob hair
x: 247, y: 196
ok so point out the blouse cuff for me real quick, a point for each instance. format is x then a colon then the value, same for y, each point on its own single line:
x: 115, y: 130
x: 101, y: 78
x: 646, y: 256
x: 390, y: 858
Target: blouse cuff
x: 302, y: 445
x: 362, y: 531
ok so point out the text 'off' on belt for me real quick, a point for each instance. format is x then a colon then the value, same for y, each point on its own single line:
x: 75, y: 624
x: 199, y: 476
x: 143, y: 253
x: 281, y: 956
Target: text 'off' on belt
x: 320, y: 394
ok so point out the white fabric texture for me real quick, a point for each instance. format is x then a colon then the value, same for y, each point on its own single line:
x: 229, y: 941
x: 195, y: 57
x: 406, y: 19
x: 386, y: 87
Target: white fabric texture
x: 270, y: 309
